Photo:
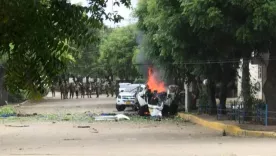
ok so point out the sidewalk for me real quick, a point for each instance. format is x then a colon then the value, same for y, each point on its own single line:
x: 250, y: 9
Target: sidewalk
x: 231, y: 127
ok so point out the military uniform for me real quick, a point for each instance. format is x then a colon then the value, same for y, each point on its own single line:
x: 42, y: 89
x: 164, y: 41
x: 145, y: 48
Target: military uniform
x: 62, y: 90
x: 97, y: 89
x: 77, y: 90
x: 111, y: 89
x: 89, y: 90
x: 66, y: 90
x: 117, y: 89
x: 72, y: 90
x: 106, y: 89
x: 82, y: 89
x: 53, y: 89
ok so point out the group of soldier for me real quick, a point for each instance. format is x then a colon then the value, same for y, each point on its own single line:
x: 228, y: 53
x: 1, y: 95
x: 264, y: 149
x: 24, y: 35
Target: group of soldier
x: 69, y: 90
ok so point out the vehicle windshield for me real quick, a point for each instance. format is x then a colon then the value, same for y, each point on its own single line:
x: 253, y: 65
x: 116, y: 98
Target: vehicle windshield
x: 132, y: 88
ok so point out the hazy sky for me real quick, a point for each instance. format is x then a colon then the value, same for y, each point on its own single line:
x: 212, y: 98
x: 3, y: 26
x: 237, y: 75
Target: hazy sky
x: 122, y: 10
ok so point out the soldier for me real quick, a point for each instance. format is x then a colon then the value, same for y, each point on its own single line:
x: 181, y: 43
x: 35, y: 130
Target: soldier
x: 66, y: 90
x: 72, y: 90
x: 101, y: 87
x: 106, y: 87
x: 117, y: 89
x: 82, y: 89
x: 93, y: 87
x: 89, y: 90
x: 77, y: 90
x: 62, y: 90
x: 53, y: 88
x: 111, y: 89
x: 97, y: 89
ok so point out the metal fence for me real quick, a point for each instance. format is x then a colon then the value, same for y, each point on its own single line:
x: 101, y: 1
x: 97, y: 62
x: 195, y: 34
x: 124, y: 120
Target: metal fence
x: 259, y: 114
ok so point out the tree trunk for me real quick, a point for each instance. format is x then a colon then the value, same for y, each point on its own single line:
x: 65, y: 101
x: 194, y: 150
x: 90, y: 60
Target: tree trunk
x: 246, y: 87
x: 223, y: 95
x: 87, y: 79
x: 270, y: 85
x: 74, y: 79
x: 211, y: 90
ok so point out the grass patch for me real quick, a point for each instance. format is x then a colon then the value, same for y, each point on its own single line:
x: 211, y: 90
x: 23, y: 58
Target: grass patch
x: 49, y: 117
x: 7, y: 110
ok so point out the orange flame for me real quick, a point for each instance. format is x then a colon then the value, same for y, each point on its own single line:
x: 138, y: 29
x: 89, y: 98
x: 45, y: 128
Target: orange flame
x: 154, y: 83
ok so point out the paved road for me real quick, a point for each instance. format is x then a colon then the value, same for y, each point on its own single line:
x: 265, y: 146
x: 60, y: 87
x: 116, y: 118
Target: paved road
x: 56, y: 105
x: 130, y: 138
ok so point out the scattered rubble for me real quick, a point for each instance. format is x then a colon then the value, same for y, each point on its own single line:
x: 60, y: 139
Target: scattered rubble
x: 17, y: 125
x: 83, y: 127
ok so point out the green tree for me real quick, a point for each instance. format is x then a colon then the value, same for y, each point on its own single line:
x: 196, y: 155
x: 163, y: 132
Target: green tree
x: 248, y: 26
x: 176, y: 37
x: 117, y: 51
x: 35, y: 36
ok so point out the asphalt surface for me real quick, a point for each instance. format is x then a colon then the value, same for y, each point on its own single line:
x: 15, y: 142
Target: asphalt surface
x: 123, y: 138
x: 50, y: 105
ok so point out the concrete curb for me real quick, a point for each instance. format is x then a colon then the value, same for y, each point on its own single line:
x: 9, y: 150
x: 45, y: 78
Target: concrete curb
x: 229, y: 129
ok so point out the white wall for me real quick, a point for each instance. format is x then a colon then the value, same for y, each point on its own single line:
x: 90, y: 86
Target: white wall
x: 256, y: 75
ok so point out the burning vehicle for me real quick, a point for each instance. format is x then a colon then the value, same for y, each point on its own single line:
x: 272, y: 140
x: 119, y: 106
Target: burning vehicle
x: 162, y: 101
x: 156, y: 99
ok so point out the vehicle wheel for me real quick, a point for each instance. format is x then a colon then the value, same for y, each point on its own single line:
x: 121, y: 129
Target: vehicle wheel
x: 120, y: 107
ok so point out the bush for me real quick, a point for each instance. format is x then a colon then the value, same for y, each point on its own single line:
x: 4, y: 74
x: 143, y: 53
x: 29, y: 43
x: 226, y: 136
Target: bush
x: 258, y: 104
x: 203, y: 98
x: 7, y: 111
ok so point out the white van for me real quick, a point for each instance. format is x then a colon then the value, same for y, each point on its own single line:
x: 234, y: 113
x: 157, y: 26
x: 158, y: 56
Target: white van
x: 122, y: 86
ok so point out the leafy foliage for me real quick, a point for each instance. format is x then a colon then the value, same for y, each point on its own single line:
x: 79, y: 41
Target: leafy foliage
x: 7, y: 110
x: 35, y: 36
x: 117, y: 51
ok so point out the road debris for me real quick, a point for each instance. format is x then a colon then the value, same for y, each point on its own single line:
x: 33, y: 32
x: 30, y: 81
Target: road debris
x: 26, y: 115
x: 94, y: 130
x: 111, y: 117
x: 17, y: 125
x: 71, y: 139
x: 83, y: 127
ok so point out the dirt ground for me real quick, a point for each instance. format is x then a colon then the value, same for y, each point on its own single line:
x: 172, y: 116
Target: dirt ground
x: 55, y: 105
x: 122, y: 138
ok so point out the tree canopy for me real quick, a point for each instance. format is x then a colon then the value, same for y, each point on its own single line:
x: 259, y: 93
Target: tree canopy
x: 206, y: 37
x: 36, y: 37
x: 117, y: 51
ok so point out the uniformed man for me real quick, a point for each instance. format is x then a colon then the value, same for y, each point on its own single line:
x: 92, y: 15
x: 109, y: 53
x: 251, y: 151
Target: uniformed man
x: 82, y: 89
x: 97, y: 89
x: 72, y: 90
x: 106, y: 89
x: 77, y: 90
x: 53, y: 89
x: 111, y: 88
x: 62, y: 90
x: 66, y: 90
x: 89, y: 90
x: 117, y: 89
